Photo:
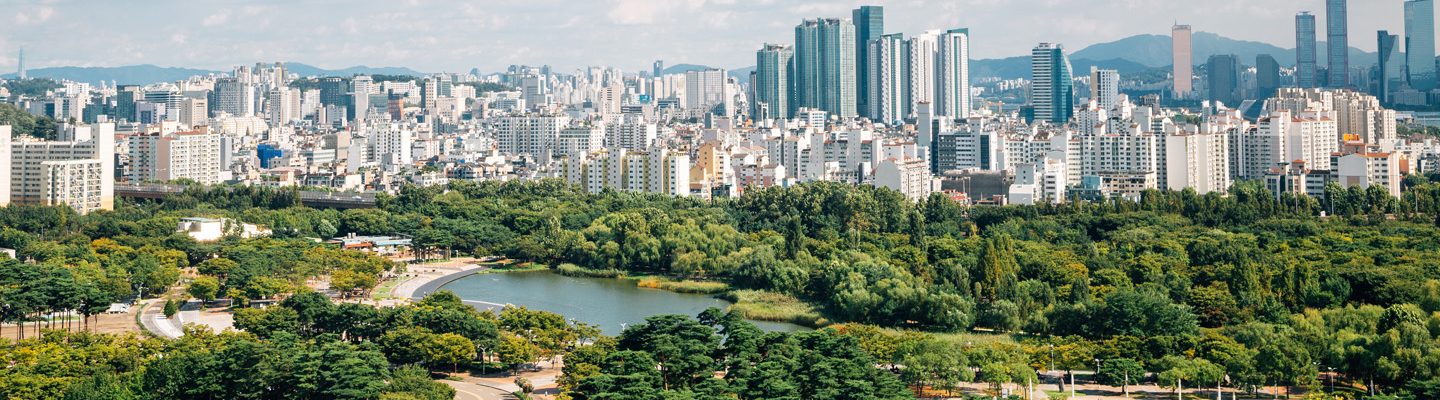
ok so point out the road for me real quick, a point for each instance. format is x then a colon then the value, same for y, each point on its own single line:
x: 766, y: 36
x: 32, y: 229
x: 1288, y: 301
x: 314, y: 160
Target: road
x: 471, y: 391
x: 152, y: 318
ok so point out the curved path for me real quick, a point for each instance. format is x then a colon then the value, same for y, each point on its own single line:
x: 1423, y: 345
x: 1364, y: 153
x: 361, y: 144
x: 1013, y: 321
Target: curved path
x: 428, y: 282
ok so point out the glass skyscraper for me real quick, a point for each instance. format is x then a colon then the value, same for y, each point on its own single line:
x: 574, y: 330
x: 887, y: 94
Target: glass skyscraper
x: 1052, y: 87
x: 825, y: 66
x: 869, y: 25
x: 1224, y: 79
x: 773, y: 66
x: 1337, y: 33
x: 1267, y: 76
x: 1305, y: 67
x: 1389, y: 65
x: 1420, y: 43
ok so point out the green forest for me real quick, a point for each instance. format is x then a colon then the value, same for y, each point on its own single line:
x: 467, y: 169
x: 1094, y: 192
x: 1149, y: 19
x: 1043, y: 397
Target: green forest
x: 1245, y: 291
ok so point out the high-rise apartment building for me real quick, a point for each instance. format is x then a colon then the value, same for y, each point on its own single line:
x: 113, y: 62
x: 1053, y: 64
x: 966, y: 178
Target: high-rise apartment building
x: 652, y: 171
x: 360, y: 88
x: 1337, y: 35
x: 1105, y: 88
x: 889, y: 79
x: 952, y: 65
x: 1197, y: 160
x: 706, y: 93
x: 1420, y: 44
x: 869, y: 25
x: 193, y: 155
x: 76, y: 170
x: 920, y: 52
x: 773, y: 66
x: 1306, y: 70
x: 529, y: 134
x: 1052, y: 90
x: 1183, y: 60
x: 825, y: 66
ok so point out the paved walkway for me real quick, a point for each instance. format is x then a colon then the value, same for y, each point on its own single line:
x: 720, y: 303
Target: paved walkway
x: 153, y: 319
x: 472, y: 391
x: 427, y: 278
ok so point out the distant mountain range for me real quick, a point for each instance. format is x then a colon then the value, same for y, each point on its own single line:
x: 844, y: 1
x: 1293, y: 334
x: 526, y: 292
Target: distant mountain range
x: 146, y: 73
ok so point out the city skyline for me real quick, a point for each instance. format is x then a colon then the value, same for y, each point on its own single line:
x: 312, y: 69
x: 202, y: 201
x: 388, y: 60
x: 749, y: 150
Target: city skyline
x: 435, y: 36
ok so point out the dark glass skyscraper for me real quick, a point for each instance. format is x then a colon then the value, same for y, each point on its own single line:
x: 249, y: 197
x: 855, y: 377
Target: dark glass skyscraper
x: 869, y: 25
x: 1224, y: 79
x: 1305, y: 67
x: 1267, y: 76
x: 1420, y: 43
x: 1337, y: 36
x: 1388, y: 76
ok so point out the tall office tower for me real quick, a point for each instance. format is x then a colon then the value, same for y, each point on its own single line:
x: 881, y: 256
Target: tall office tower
x: 535, y: 90
x: 952, y: 67
x: 444, y: 85
x: 234, y: 97
x: 1389, y: 65
x: 429, y: 94
x: 1305, y: 63
x: 1105, y: 87
x: 1337, y: 33
x: 1052, y: 87
x: 920, y: 51
x: 1420, y: 44
x: 333, y: 92
x: 1267, y: 76
x: 889, y: 79
x: 1224, y: 79
x: 21, y: 72
x: 825, y: 66
x: 360, y: 88
x: 658, y: 69
x: 194, y: 112
x: 125, y: 98
x: 869, y: 25
x: 284, y: 106
x: 773, y: 64
x: 1183, y: 60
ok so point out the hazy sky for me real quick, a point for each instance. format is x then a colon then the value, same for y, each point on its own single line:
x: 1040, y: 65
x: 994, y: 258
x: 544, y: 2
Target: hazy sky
x: 454, y: 36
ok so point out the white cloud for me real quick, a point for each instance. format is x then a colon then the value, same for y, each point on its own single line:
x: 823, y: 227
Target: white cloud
x: 216, y: 19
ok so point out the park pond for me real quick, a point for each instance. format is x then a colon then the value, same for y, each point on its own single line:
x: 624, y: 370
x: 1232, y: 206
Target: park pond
x: 605, y: 303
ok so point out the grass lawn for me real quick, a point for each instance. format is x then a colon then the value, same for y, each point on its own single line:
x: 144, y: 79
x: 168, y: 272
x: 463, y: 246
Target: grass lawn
x: 383, y: 290
x: 771, y: 306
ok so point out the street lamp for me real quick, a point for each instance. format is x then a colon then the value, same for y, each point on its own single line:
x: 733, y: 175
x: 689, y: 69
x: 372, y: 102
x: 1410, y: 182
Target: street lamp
x: 1097, y: 371
x: 1332, y: 379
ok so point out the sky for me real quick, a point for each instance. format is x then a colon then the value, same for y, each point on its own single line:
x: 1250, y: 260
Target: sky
x: 455, y: 36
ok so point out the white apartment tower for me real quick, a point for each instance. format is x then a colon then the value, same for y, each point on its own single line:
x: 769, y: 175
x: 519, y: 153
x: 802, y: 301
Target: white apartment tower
x: 77, y: 170
x: 953, y: 74
x: 156, y: 156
